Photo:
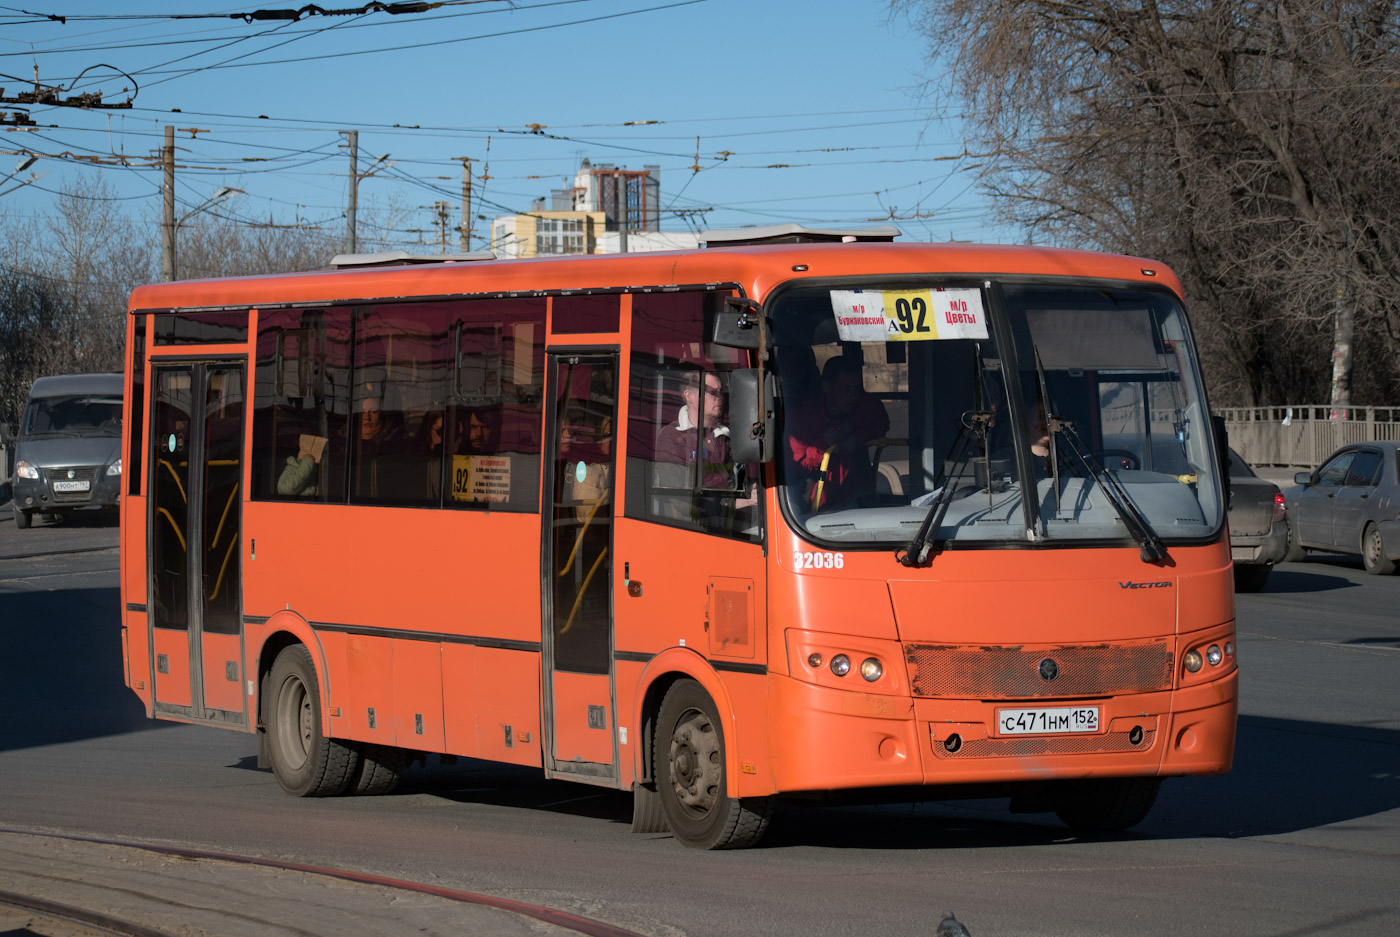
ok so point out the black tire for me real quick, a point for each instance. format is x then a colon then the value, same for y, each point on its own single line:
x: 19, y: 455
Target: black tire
x: 1295, y: 553
x: 379, y: 770
x: 1251, y: 578
x: 647, y: 815
x: 306, y: 763
x: 690, y: 776
x: 1373, y: 552
x: 1109, y: 805
x: 22, y: 519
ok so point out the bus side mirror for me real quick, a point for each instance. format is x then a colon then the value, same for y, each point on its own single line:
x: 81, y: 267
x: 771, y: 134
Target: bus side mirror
x: 737, y: 324
x: 5, y: 435
x: 751, y: 417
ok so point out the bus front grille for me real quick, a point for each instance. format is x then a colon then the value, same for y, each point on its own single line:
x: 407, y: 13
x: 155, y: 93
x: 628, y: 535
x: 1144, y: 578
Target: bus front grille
x: 997, y: 672
x: 79, y: 474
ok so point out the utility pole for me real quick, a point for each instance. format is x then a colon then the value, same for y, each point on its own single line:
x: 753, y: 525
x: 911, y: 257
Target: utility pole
x: 167, y: 226
x: 620, y: 193
x: 440, y: 210
x: 466, y: 231
x: 354, y: 138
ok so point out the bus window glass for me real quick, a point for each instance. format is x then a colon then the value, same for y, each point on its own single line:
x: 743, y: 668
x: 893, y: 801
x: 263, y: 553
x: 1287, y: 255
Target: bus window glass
x: 399, y: 382
x: 679, y: 470
x: 496, y: 404
x: 597, y: 312
x: 136, y: 448
x: 200, y: 328
x: 1114, y: 366
x: 301, y: 405
x: 899, y: 407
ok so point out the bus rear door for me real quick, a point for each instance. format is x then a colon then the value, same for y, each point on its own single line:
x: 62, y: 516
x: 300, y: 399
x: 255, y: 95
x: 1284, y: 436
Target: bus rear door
x: 195, y: 542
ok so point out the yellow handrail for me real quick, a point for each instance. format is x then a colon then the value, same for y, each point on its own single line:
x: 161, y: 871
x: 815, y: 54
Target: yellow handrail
x: 183, y: 496
x: 581, y: 590
x: 176, y: 526
x: 578, y: 539
x: 219, y: 531
x: 821, y: 482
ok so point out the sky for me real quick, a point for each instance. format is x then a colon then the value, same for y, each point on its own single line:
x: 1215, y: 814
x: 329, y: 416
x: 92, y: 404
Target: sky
x: 756, y: 111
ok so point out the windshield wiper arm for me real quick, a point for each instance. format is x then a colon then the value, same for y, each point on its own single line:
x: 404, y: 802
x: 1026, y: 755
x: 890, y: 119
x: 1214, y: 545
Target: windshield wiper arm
x: 974, y: 425
x: 1151, y: 548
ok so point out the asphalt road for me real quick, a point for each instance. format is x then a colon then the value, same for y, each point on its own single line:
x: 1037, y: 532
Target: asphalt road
x: 1301, y: 838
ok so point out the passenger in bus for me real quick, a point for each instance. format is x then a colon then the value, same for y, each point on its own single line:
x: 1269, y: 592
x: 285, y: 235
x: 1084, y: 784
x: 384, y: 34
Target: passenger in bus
x: 430, y: 441
x: 697, y: 442
x: 828, y: 436
x: 379, y: 445
x: 300, y: 477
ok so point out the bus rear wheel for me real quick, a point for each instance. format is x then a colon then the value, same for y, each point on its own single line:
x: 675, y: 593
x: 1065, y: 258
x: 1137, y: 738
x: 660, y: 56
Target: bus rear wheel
x: 690, y: 775
x: 379, y: 770
x: 1108, y: 805
x: 305, y: 762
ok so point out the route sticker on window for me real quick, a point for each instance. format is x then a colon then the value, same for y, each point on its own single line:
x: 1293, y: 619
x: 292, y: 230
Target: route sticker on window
x: 908, y: 315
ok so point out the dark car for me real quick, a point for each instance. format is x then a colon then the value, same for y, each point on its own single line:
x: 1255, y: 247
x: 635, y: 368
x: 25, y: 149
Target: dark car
x: 1350, y: 504
x: 1258, y: 526
x: 68, y: 449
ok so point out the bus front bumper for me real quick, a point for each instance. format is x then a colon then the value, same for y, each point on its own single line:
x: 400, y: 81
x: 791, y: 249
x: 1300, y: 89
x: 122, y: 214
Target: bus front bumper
x: 825, y: 739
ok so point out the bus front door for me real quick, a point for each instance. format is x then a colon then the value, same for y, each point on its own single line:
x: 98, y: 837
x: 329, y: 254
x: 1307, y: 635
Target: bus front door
x: 580, y: 702
x: 195, y: 546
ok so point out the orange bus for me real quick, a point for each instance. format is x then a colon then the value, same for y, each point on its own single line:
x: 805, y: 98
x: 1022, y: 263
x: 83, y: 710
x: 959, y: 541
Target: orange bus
x: 850, y: 519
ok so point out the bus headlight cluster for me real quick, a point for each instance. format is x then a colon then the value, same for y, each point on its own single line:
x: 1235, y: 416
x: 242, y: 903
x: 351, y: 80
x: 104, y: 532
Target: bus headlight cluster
x: 870, y: 669
x: 26, y: 470
x: 1214, y: 655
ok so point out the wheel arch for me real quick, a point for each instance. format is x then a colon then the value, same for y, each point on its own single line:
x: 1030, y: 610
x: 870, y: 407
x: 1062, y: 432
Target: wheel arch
x: 285, y: 629
x: 657, y: 677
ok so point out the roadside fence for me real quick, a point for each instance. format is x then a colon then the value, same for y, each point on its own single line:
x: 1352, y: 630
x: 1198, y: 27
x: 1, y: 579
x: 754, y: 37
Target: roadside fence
x: 1304, y: 435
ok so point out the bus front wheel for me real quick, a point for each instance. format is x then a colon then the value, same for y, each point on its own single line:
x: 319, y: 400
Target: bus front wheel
x: 305, y: 762
x: 690, y: 775
x: 1107, y: 805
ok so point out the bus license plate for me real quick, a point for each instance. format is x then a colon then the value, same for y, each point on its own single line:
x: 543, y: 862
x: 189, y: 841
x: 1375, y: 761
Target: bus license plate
x: 1048, y: 721
x: 71, y: 486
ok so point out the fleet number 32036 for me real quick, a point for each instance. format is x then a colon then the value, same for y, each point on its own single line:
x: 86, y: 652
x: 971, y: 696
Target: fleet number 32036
x: 818, y: 559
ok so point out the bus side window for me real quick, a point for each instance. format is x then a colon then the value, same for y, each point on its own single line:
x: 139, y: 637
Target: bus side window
x: 301, y: 405
x: 495, y: 405
x: 679, y: 471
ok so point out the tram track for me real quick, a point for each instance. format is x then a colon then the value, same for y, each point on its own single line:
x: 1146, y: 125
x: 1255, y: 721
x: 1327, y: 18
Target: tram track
x: 88, y: 921
x: 110, y: 924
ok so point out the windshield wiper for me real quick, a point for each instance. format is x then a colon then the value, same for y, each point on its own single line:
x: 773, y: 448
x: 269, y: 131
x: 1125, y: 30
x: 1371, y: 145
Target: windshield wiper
x: 974, y: 425
x: 1150, y: 546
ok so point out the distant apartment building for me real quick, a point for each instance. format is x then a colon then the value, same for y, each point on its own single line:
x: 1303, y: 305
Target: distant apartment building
x: 608, y: 210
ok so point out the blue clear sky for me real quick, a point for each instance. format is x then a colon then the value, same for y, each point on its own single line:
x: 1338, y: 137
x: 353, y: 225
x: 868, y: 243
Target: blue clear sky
x: 805, y: 110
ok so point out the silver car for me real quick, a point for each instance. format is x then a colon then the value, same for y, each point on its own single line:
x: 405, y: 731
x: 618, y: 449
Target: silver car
x: 1349, y: 504
x: 67, y: 452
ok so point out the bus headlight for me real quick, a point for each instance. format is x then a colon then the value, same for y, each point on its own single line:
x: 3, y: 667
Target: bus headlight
x: 840, y: 665
x: 25, y: 470
x: 871, y: 670
x: 1213, y: 655
x: 115, y: 468
x: 1193, y: 661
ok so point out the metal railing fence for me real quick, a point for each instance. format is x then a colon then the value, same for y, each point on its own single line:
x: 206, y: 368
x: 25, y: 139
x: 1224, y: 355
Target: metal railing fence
x: 1304, y: 434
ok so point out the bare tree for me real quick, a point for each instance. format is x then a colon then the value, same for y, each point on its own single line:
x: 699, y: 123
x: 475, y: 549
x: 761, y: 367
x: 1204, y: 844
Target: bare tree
x: 1254, y: 146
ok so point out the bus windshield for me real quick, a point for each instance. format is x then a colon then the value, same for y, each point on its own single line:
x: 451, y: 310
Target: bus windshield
x: 935, y: 406
x: 74, y: 415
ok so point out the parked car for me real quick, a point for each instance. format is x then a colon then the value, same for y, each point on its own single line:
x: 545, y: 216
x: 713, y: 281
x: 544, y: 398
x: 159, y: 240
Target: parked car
x: 1258, y: 526
x: 68, y: 449
x: 1350, y: 504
